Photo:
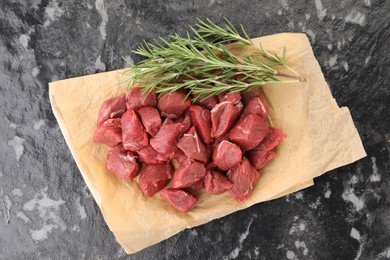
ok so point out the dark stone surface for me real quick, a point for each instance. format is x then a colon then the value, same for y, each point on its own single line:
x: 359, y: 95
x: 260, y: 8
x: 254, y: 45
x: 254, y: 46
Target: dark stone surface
x: 46, y: 211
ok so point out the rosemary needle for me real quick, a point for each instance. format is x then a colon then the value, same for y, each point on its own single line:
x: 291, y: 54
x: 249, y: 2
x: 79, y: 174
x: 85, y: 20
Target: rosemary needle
x: 203, y: 65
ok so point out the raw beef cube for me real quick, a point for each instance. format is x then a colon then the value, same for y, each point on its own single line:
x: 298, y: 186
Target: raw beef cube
x: 201, y: 118
x: 186, y: 124
x: 134, y: 135
x: 248, y: 95
x: 262, y: 153
x: 122, y: 163
x: 197, y: 185
x: 216, y: 183
x: 226, y: 155
x: 188, y: 174
x: 181, y: 157
x: 181, y: 200
x: 233, y: 97
x: 223, y: 117
x: 256, y: 106
x: 248, y: 132
x: 208, y: 103
x: 243, y: 176
x: 261, y: 159
x: 165, y: 140
x: 109, y: 133
x: 172, y: 105
x: 154, y: 177
x: 272, y: 139
x: 135, y: 99
x: 111, y: 108
x: 149, y: 155
x: 192, y: 146
x: 151, y: 119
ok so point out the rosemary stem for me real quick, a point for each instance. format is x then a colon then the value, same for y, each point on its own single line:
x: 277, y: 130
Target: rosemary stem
x: 203, y: 65
x: 293, y: 71
x: 287, y: 76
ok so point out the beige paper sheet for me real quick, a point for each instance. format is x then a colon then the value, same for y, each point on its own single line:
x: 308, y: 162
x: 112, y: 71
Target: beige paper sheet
x: 321, y: 137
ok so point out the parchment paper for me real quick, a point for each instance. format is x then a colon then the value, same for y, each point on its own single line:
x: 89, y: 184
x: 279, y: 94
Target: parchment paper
x: 321, y: 137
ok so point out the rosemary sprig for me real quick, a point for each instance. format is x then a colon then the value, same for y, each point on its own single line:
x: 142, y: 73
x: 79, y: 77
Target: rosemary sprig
x: 203, y: 65
x: 220, y: 35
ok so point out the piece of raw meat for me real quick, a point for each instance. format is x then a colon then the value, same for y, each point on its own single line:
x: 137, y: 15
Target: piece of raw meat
x: 134, y: 136
x: 135, y: 99
x: 272, y: 139
x: 233, y: 97
x: 151, y: 119
x: 260, y: 160
x: 248, y: 132
x: 149, y: 155
x: 192, y: 146
x: 223, y: 117
x: 165, y: 140
x: 111, y: 108
x: 154, y: 177
x: 201, y: 118
x: 226, y: 155
x: 243, y: 176
x: 181, y: 200
x: 246, y: 96
x: 172, y: 105
x: 188, y: 174
x: 208, y: 103
x: 181, y: 157
x: 216, y: 183
x: 109, y: 133
x: 256, y: 106
x: 185, y: 121
x: 122, y: 163
x: 262, y: 154
x: 197, y: 185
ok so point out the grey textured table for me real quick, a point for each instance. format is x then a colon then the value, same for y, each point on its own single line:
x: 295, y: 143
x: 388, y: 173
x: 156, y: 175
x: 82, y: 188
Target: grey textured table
x: 46, y: 211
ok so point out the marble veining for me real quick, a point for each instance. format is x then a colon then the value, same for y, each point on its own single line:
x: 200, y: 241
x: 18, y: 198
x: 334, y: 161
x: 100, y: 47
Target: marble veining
x: 356, y: 235
x: 52, y: 13
x: 38, y: 124
x: 46, y: 210
x: 81, y: 209
x: 17, y: 143
x: 355, y: 17
x: 99, y: 4
x: 375, y: 176
x: 242, y: 237
x: 350, y: 196
x: 321, y: 11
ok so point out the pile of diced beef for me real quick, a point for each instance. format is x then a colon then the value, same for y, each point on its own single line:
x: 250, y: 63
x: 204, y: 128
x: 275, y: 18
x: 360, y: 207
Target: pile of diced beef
x: 219, y: 143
